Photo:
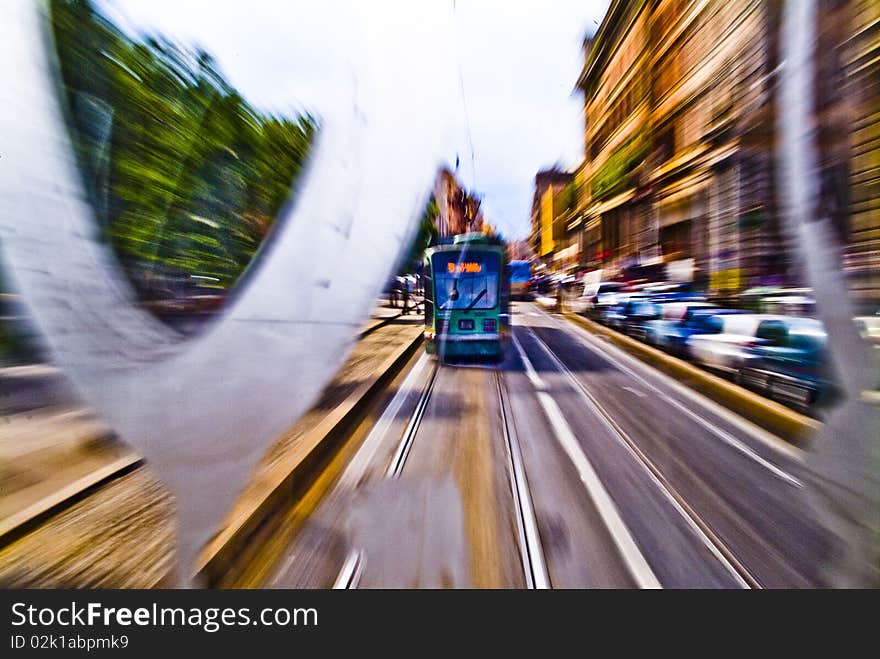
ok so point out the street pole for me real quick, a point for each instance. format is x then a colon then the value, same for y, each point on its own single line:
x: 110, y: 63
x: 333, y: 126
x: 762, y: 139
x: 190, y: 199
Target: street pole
x: 844, y: 487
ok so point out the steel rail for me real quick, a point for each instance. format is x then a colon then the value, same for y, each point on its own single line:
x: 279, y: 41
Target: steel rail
x: 716, y: 546
x: 531, y: 550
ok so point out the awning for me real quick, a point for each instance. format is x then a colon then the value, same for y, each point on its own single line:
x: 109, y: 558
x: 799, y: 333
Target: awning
x: 611, y: 204
x: 569, y: 253
x: 679, y: 161
x: 699, y: 157
x: 676, y: 202
x: 681, y: 190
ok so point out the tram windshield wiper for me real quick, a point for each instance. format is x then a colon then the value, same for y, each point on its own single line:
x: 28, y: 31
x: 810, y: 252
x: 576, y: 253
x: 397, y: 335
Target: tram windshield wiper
x: 476, y: 299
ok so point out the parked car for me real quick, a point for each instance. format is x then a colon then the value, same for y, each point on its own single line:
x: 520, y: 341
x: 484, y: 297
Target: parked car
x: 869, y: 328
x: 681, y: 320
x: 542, y: 284
x: 606, y: 303
x: 672, y: 292
x: 595, y: 297
x: 778, y: 300
x: 787, y: 362
x: 614, y: 313
x: 788, y: 305
x: 725, y: 344
x: 637, y: 313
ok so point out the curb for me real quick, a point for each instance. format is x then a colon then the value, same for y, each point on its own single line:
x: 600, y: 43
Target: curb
x: 786, y: 423
x: 385, y: 321
x: 291, y: 477
x: 22, y: 522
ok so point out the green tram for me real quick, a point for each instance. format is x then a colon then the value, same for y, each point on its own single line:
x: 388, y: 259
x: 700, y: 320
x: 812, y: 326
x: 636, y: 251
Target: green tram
x: 466, y: 298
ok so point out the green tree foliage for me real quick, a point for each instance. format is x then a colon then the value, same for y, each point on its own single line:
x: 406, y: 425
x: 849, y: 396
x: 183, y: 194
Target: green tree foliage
x: 617, y: 170
x: 186, y: 177
x: 427, y: 232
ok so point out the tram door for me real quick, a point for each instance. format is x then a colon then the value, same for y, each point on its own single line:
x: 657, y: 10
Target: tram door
x: 428, y: 292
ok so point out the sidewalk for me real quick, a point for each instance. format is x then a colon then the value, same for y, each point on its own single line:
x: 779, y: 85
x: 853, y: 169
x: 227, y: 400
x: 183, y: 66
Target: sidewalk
x: 121, y: 536
x: 49, y: 441
x: 383, y: 312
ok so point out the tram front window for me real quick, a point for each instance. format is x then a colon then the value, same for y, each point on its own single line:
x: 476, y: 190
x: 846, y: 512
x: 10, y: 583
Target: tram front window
x: 466, y: 281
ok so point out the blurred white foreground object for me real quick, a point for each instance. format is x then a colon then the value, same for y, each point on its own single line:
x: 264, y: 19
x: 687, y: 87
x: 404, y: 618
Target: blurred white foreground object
x: 204, y: 410
x: 845, y: 459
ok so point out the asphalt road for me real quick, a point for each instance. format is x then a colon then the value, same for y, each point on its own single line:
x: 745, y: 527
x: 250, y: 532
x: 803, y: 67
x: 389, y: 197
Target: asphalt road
x: 570, y: 465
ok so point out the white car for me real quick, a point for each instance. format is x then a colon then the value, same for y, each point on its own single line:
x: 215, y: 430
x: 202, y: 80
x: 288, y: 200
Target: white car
x: 726, y: 349
x: 589, y: 299
x: 869, y: 328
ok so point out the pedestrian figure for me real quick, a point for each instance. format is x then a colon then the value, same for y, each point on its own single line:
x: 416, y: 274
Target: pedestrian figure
x: 392, y: 292
x: 405, y: 292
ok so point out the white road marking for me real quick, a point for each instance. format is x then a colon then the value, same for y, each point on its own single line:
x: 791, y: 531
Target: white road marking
x: 633, y: 556
x: 530, y: 540
x: 711, y: 427
x: 634, y: 391
x: 626, y: 544
x: 643, y: 462
x: 530, y: 370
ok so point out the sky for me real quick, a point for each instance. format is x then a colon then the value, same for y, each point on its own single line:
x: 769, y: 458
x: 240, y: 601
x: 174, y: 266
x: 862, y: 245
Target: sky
x: 516, y: 62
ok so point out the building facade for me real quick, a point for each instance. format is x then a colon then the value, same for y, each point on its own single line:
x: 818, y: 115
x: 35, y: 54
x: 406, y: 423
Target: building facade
x: 458, y: 210
x: 680, y: 170
x: 552, y: 201
x: 612, y: 211
x: 851, y: 152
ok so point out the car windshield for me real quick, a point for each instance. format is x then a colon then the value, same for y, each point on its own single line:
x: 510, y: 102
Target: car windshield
x: 466, y: 280
x: 644, y: 308
x: 738, y: 324
x: 706, y: 323
x: 807, y: 334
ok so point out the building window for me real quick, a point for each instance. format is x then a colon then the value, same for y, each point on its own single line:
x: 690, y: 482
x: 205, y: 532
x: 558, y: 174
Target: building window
x: 666, y: 144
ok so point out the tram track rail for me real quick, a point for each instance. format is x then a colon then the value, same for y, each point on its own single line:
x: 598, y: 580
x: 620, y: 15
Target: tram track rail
x: 531, y: 550
x: 716, y: 546
x: 534, y: 566
x: 395, y: 468
x: 352, y: 567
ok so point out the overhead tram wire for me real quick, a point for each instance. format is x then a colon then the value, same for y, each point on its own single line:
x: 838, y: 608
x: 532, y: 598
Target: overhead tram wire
x: 461, y: 90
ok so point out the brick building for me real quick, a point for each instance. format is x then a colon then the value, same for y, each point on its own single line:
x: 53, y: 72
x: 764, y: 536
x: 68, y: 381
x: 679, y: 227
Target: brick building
x: 680, y: 107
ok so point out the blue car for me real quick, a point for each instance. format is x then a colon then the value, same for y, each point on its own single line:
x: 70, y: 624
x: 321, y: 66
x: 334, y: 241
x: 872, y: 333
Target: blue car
x: 636, y: 314
x: 679, y: 321
x: 615, y: 315
x: 788, y: 363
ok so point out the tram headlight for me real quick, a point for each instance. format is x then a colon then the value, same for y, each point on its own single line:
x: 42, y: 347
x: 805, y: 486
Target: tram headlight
x: 489, y: 325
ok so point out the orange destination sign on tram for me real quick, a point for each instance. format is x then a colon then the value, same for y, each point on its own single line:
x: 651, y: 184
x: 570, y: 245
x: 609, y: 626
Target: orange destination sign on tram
x: 465, y: 266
